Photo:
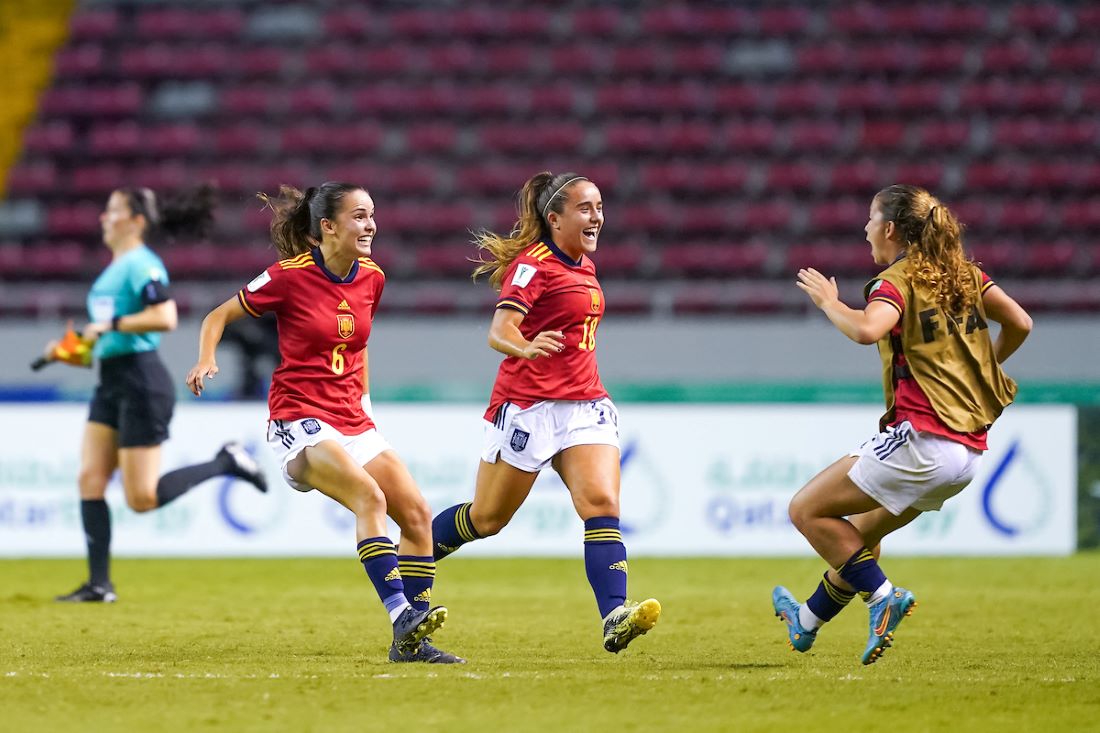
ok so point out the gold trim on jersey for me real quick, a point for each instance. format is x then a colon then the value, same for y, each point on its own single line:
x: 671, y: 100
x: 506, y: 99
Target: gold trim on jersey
x: 244, y: 304
x: 370, y: 264
x: 540, y: 252
x: 987, y: 286
x: 297, y: 261
x: 887, y: 300
x: 514, y: 304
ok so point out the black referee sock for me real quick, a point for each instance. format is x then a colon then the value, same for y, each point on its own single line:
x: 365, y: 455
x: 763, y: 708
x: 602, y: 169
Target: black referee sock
x: 97, y: 533
x: 175, y: 484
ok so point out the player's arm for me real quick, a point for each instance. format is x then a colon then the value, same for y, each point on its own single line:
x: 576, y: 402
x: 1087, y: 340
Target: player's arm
x: 1014, y: 320
x: 210, y: 335
x: 865, y: 326
x: 505, y: 337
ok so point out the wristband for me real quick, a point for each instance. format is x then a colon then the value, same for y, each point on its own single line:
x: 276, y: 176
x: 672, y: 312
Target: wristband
x: 114, y: 322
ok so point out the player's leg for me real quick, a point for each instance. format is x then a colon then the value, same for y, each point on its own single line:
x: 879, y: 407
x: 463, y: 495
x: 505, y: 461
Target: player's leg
x: 499, y: 492
x: 98, y: 460
x: 410, y: 510
x: 833, y: 594
x: 591, y: 472
x: 329, y: 468
x: 413, y: 516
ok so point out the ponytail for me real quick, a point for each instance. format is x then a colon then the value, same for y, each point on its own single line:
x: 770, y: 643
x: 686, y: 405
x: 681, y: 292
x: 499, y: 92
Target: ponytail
x: 296, y: 219
x: 185, y: 213
x: 932, y: 236
x: 290, y: 224
x: 542, y: 193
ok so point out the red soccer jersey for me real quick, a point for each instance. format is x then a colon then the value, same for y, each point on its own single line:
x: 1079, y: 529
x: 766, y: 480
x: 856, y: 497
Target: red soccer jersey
x: 554, y: 293
x: 324, y: 322
x: 910, y: 401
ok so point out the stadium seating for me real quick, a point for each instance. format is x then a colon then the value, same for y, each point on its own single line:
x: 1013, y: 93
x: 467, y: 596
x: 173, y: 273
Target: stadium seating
x: 733, y: 143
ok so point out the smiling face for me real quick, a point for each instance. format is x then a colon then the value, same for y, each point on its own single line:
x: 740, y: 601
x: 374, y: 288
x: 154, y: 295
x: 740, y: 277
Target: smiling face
x: 120, y: 226
x: 883, y: 236
x: 577, y: 228
x: 351, y: 230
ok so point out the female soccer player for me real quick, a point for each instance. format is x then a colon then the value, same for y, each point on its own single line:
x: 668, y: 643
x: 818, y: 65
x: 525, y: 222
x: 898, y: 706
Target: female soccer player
x: 928, y: 312
x: 548, y: 406
x: 324, y: 294
x: 129, y: 306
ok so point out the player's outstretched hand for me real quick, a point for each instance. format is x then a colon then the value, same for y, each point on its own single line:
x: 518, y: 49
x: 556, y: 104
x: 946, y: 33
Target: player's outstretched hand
x: 546, y: 343
x: 822, y: 290
x: 199, y: 372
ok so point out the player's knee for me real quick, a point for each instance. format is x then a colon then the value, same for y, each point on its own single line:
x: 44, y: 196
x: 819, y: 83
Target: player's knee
x: 490, y: 523
x: 417, y: 523
x: 798, y: 513
x: 368, y: 500
x: 602, y: 506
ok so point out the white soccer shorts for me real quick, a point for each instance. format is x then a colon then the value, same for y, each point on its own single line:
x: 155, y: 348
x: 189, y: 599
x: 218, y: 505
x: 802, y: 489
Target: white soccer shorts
x: 529, y: 439
x: 287, y: 438
x: 901, y: 468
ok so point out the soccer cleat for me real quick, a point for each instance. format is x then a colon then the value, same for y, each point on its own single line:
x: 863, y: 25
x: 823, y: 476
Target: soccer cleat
x: 243, y: 465
x: 629, y: 621
x: 424, y: 652
x: 89, y: 593
x: 413, y: 626
x: 885, y: 617
x: 786, y: 608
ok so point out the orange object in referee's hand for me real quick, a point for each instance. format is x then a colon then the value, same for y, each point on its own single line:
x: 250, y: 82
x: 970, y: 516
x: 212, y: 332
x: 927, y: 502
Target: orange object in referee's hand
x: 72, y: 349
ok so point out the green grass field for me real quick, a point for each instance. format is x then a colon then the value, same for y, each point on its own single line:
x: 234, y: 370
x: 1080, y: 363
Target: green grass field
x: 300, y: 645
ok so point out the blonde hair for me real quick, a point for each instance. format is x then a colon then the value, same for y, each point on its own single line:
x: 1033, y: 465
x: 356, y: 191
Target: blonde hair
x: 932, y: 237
x: 542, y: 193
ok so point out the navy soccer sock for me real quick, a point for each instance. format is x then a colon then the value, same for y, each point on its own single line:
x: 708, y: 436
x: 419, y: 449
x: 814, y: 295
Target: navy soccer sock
x: 418, y: 575
x: 97, y: 533
x: 861, y: 571
x: 451, y: 529
x: 379, y: 558
x: 828, y: 600
x: 605, y: 562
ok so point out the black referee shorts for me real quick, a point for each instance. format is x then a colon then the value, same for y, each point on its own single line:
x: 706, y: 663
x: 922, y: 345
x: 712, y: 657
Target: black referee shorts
x: 136, y: 397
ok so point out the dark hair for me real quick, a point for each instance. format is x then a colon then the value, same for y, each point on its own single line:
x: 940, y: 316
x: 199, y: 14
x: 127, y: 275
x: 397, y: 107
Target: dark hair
x: 933, y: 245
x: 296, y: 224
x: 542, y: 193
x: 188, y: 212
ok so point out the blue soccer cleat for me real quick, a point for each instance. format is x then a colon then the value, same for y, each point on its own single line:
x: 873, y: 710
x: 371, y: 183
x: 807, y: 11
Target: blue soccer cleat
x: 413, y: 626
x: 424, y: 652
x: 629, y: 621
x: 885, y: 617
x: 786, y: 608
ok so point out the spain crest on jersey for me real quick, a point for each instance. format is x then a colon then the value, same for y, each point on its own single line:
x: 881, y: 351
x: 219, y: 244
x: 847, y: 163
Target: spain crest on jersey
x: 595, y: 298
x: 345, y: 324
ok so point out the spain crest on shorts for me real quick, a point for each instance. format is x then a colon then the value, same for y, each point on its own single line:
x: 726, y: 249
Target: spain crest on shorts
x: 345, y: 323
x: 519, y: 440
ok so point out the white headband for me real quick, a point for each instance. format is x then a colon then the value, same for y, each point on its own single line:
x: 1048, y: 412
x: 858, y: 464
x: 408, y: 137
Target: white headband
x: 571, y: 180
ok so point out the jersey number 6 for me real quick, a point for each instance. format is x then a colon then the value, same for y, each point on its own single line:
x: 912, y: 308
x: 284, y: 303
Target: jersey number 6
x: 338, y: 358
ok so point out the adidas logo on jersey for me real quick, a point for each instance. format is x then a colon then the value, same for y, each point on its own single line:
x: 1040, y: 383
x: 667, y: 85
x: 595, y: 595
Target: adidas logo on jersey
x: 343, y: 306
x: 394, y: 574
x: 620, y: 565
